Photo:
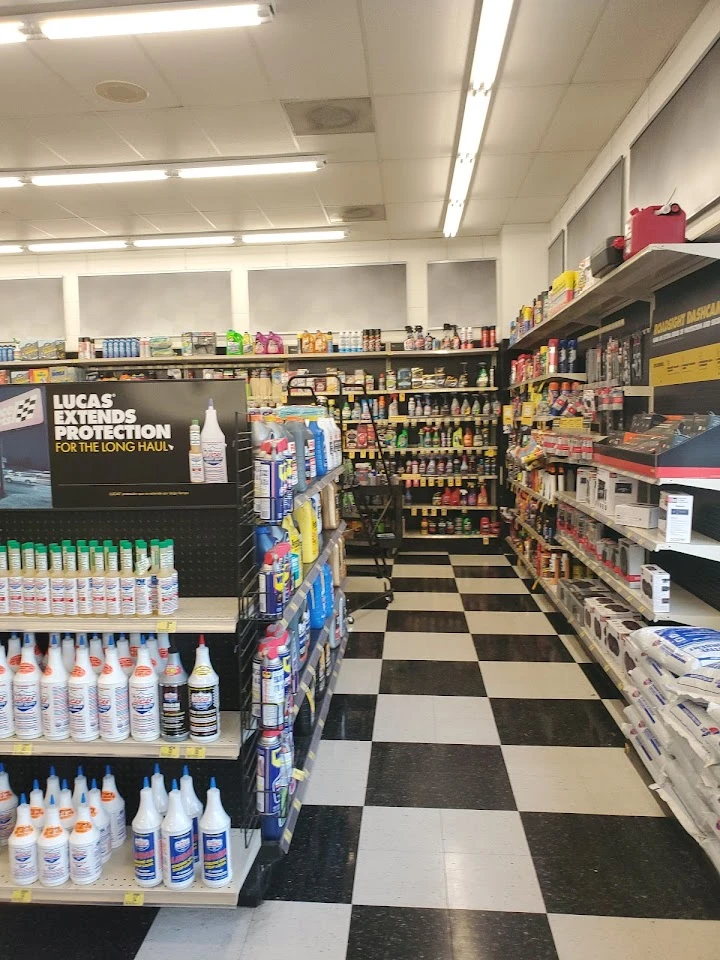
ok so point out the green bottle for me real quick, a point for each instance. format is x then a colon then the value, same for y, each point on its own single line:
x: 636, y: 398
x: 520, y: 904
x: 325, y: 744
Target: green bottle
x: 402, y: 438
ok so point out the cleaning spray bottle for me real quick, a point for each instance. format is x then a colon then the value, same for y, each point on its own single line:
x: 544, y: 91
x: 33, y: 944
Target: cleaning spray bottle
x: 147, y: 857
x: 216, y: 866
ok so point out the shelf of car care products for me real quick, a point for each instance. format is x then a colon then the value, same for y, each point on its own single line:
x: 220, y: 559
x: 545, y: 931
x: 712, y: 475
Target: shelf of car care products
x: 300, y: 614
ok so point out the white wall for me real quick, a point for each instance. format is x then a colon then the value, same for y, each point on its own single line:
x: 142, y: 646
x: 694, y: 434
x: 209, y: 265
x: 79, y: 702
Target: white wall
x: 522, y: 269
x: 416, y: 253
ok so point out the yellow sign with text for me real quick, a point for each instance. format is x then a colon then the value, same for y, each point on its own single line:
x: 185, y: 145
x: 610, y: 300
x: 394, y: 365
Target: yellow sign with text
x: 689, y: 366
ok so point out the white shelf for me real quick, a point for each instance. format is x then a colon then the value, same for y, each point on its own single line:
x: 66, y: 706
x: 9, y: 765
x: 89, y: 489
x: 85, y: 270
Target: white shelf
x: 547, y: 377
x: 117, y: 885
x: 301, y: 498
x: 684, y: 607
x: 698, y: 483
x: 516, y: 485
x: 454, y: 477
x: 636, y: 279
x: 226, y: 747
x: 194, y: 615
x: 699, y: 546
x: 638, y: 390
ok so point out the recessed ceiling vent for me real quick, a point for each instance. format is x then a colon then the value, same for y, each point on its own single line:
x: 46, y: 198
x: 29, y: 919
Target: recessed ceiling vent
x: 121, y: 91
x: 315, y: 118
x: 357, y: 213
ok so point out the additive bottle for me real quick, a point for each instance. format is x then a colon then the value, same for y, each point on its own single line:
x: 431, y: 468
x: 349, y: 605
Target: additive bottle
x: 82, y: 695
x: 26, y: 693
x: 37, y: 805
x: 28, y: 560
x: 68, y: 652
x: 66, y: 808
x: 53, y: 850
x: 112, y: 583
x: 22, y: 848
x: 4, y: 581
x: 14, y: 652
x: 115, y: 808
x: 204, y: 697
x: 193, y: 808
x: 147, y: 857
x: 177, y: 844
x: 174, y: 699
x: 160, y: 795
x: 216, y: 862
x: 123, y: 650
x: 214, y: 448
x: 144, y: 697
x: 113, y: 697
x: 195, y: 456
x: 80, y: 787
x: 101, y: 820
x: 7, y: 720
x: 97, y: 585
x: 54, y: 696
x: 85, y: 851
x: 8, y: 807
x: 52, y: 788
x: 97, y: 657
x: 42, y: 581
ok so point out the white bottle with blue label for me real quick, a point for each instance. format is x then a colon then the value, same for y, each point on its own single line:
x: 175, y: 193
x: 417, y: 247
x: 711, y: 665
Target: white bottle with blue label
x: 147, y: 859
x: 22, y: 844
x: 193, y: 808
x: 216, y: 864
x: 177, y: 844
x: 8, y: 807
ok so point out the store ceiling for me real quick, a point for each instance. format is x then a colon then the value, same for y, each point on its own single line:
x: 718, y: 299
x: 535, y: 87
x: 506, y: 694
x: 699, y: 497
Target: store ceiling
x: 572, y: 71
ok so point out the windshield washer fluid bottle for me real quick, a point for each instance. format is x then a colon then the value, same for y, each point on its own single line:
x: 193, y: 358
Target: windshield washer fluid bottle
x: 215, y: 841
x: 147, y: 858
x: 214, y: 448
x: 177, y: 844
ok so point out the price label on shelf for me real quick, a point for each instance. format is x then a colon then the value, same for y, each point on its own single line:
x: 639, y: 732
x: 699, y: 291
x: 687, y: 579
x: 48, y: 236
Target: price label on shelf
x: 22, y: 749
x: 424, y: 511
x: 507, y: 415
x: 351, y: 454
x: 423, y: 481
x: 433, y: 512
x: 169, y: 750
x: 363, y: 454
x: 21, y: 895
x: 166, y: 626
x: 351, y: 398
x: 431, y: 481
x: 527, y: 414
x: 402, y: 398
x: 134, y: 898
x: 443, y: 513
x: 195, y: 753
x: 486, y: 541
x: 413, y: 511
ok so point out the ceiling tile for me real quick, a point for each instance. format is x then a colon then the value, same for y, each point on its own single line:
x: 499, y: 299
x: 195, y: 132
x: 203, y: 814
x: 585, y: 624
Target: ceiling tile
x: 534, y: 209
x: 20, y: 150
x: 87, y: 202
x: 238, y: 220
x: 30, y: 203
x: 29, y: 89
x: 149, y: 198
x: 15, y: 230
x: 519, y: 117
x: 547, y: 41
x: 192, y: 222
x: 349, y: 183
x: 291, y: 217
x: 500, y: 176
x: 168, y: 134
x: 341, y: 148
x: 555, y: 174
x: 221, y: 194
x: 128, y: 225
x: 416, y: 125
x: 413, y: 50
x: 485, y: 216
x: 405, y: 181
x: 82, y: 138
x: 251, y: 129
x: 217, y: 67
x: 589, y: 113
x: 414, y: 219
x: 633, y: 38
x: 313, y: 50
x: 67, y: 227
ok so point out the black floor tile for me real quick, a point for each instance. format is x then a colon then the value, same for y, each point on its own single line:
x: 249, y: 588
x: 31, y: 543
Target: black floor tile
x: 487, y: 935
x: 432, y: 679
x: 500, y: 603
x: 351, y: 717
x: 366, y: 599
x: 365, y: 646
x: 426, y: 621
x: 471, y: 548
x: 424, y: 585
x: 559, y: 623
x: 320, y: 867
x: 604, y: 687
x: 485, y: 573
x: 361, y: 569
x: 556, y: 723
x: 65, y: 933
x: 521, y: 648
x: 424, y: 558
x: 400, y: 933
x: 449, y: 776
x: 621, y: 866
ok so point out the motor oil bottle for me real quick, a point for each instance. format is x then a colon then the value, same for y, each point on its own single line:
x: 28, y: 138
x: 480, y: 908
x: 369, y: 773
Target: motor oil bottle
x: 114, y: 807
x: 22, y: 848
x: 174, y: 699
x: 204, y: 697
x: 97, y: 656
x: 53, y: 850
x: 160, y: 794
x: 54, y: 695
x: 214, y: 448
x: 147, y: 857
x: 101, y: 820
x: 26, y: 693
x: 8, y: 807
x: 215, y: 843
x: 14, y: 652
x: 177, y: 844
x: 82, y: 695
x: 85, y: 850
x: 144, y: 697
x: 52, y: 788
x: 193, y: 808
x: 7, y: 719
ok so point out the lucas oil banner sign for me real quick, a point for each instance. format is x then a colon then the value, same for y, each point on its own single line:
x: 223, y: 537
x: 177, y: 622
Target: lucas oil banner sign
x: 119, y: 444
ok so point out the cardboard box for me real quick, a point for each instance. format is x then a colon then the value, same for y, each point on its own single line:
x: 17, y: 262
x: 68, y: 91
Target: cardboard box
x: 20, y: 376
x: 161, y: 347
x: 655, y: 587
x: 28, y: 351
x: 66, y: 374
x: 675, y: 517
x: 614, y: 489
x: 51, y: 349
x: 198, y: 344
x: 583, y: 483
x: 642, y: 515
x: 630, y: 560
x: 616, y: 635
x: 40, y: 375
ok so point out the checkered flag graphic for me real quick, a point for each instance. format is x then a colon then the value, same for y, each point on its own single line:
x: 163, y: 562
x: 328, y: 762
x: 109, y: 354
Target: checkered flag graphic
x: 26, y: 408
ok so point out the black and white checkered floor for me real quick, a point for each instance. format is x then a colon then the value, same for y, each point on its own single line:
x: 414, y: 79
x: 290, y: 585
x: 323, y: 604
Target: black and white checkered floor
x: 471, y: 800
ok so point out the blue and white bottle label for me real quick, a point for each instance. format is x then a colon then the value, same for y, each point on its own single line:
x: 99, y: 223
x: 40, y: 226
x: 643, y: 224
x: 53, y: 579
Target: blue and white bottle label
x: 216, y: 856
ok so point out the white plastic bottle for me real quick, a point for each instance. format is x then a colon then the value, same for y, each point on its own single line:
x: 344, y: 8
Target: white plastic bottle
x: 72, y: 584
x: 4, y: 581
x: 66, y: 807
x: 29, y: 600
x: 80, y: 787
x: 112, y: 583
x: 57, y: 581
x: 42, y: 581
x: 101, y: 820
x: 160, y: 794
x: 177, y: 844
x: 144, y: 697
x: 97, y: 657
x: 82, y: 696
x: 97, y: 586
x: 52, y: 788
x: 37, y: 805
x: 123, y: 650
x: 193, y: 808
x: 214, y: 448
x: 53, y: 850
x: 113, y: 697
x: 84, y: 582
x: 85, y: 854
x: 204, y: 697
x: 195, y: 458
x: 163, y: 642
x: 152, y: 646
x: 215, y: 845
x: 22, y: 848
x: 26, y: 693
x: 68, y: 652
x: 114, y: 807
x: 7, y: 719
x: 147, y: 857
x: 54, y: 696
x: 14, y: 651
x: 8, y: 807
x: 127, y: 580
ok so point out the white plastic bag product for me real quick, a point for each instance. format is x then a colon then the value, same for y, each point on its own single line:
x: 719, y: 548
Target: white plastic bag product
x: 635, y: 696
x: 641, y: 748
x: 660, y: 676
x: 697, y: 727
x: 679, y: 649
x: 672, y: 797
x: 702, y: 685
x: 648, y: 688
x: 691, y: 798
x: 712, y: 849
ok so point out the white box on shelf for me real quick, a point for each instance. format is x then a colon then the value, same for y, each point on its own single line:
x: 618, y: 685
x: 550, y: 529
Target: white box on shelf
x: 630, y: 557
x: 675, y: 517
x: 643, y: 515
x: 656, y: 587
x: 582, y: 484
x: 613, y: 489
x: 616, y: 634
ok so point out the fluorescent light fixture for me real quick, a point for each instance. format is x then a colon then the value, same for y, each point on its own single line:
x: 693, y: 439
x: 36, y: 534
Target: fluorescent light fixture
x: 200, y: 241
x: 12, y: 248
x: 11, y: 31
x: 6, y: 182
x: 76, y: 245
x: 303, y: 236
x: 98, y: 176
x: 473, y: 123
x: 154, y: 18
x: 250, y: 169
x: 462, y: 175
x: 492, y: 30
x: 453, y: 216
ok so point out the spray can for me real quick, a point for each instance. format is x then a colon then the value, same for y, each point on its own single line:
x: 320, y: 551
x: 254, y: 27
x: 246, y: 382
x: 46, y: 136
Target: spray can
x: 54, y: 698
x: 160, y: 794
x: 177, y: 844
x: 204, y: 697
x: 53, y: 850
x: 22, y: 848
x: 82, y: 696
x: 272, y: 786
x: 26, y: 693
x: 216, y: 867
x: 114, y: 807
x: 85, y: 852
x: 193, y: 808
x: 144, y: 698
x: 147, y: 859
x: 7, y: 720
x: 174, y: 699
x: 8, y: 807
x: 113, y: 698
x: 101, y: 820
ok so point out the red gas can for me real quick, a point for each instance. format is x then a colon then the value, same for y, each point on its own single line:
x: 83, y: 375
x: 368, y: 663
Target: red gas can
x: 656, y: 224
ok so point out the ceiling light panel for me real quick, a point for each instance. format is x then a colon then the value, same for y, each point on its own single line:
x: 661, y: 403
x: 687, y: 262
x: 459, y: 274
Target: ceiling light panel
x: 76, y: 245
x: 263, y: 169
x: 305, y: 236
x: 12, y: 248
x: 200, y: 241
x: 100, y: 176
x: 492, y: 31
x: 12, y: 31
x: 7, y: 182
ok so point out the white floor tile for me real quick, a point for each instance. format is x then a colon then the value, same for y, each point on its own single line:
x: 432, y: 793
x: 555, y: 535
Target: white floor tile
x: 433, y: 570
x: 615, y: 708
x: 484, y: 831
x: 610, y: 938
x: 512, y: 585
x: 317, y: 931
x: 477, y: 881
x: 464, y: 720
x: 359, y: 676
x: 404, y: 719
x: 196, y: 933
x: 536, y: 681
x: 427, y: 601
x: 592, y: 780
x: 544, y: 604
x: 575, y: 648
x: 524, y: 623
x: 481, y: 560
x: 404, y: 829
x: 369, y: 621
x: 363, y: 585
x: 340, y: 773
x: 391, y: 878
x: 429, y: 646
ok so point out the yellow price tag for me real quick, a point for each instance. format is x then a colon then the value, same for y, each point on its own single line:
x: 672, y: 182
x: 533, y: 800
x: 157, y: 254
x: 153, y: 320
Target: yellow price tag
x: 527, y: 413
x: 486, y: 541
x: 167, y: 750
x: 310, y: 697
x: 21, y: 896
x: 413, y: 511
x: 433, y: 512
x: 351, y: 398
x: 431, y: 481
x: 22, y: 749
x: 424, y: 511
x: 134, y: 898
x: 166, y: 626
x: 363, y: 454
x: 311, y: 754
x: 443, y: 513
x: 402, y: 398
x: 195, y: 753
x: 351, y: 454
x: 423, y: 481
